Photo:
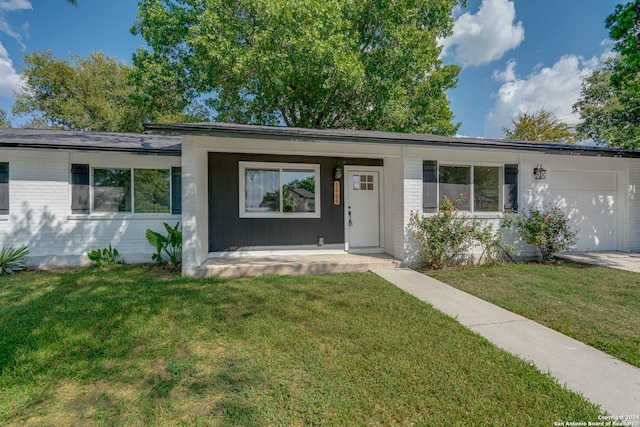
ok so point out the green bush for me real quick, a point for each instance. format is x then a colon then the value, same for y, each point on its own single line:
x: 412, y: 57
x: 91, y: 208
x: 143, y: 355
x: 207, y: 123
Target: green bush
x: 169, y: 245
x: 449, y: 235
x: 12, y: 260
x: 547, y: 229
x: 106, y: 256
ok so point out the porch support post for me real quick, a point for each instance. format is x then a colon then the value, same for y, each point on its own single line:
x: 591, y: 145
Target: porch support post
x: 195, y: 221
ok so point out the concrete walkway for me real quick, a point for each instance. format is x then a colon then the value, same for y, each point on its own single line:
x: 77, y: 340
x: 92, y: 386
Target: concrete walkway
x: 613, y: 259
x: 602, y: 379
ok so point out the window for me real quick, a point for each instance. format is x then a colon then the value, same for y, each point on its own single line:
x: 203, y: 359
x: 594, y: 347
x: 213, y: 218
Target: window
x: 279, y: 190
x: 112, y: 190
x: 455, y: 183
x: 151, y: 190
x: 363, y: 182
x: 478, y: 186
x: 125, y: 190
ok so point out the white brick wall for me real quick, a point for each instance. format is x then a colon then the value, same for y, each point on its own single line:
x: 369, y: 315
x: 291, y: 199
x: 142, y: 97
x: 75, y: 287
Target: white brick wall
x: 412, y: 190
x: 634, y: 205
x: 40, y: 209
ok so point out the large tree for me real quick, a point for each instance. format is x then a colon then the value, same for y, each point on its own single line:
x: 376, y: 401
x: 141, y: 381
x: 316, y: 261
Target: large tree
x: 609, y: 104
x: 365, y: 64
x: 96, y: 93
x: 542, y: 126
x: 77, y: 94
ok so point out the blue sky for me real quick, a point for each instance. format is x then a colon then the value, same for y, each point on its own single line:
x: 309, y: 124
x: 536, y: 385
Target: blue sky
x: 517, y: 56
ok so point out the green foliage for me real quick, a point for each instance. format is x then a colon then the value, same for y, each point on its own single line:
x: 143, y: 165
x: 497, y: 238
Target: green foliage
x: 542, y: 126
x: 448, y: 236
x: 106, y: 256
x: 77, y: 94
x: 91, y: 94
x: 609, y: 104
x: 306, y: 63
x: 151, y: 190
x: 610, y: 114
x: 289, y: 202
x: 12, y: 260
x: 548, y: 230
x: 4, y: 120
x: 169, y: 245
x: 624, y: 28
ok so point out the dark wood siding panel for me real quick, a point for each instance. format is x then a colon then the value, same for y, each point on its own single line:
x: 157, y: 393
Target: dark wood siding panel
x: 227, y: 231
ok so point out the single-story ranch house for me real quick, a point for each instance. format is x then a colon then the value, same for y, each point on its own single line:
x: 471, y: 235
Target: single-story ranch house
x: 242, y: 189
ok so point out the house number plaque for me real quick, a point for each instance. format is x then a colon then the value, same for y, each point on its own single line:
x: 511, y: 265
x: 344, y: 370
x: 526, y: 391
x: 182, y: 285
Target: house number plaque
x: 336, y: 192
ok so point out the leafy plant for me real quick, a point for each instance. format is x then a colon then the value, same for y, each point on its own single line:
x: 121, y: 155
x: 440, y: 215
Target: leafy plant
x: 106, y: 256
x: 547, y: 229
x: 12, y: 260
x: 449, y: 235
x: 169, y: 245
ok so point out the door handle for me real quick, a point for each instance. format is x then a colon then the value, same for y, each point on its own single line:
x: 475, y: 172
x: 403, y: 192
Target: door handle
x: 350, y: 222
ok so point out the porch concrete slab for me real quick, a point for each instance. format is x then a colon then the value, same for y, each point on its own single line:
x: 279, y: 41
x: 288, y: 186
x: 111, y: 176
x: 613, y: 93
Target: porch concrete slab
x: 294, y: 265
x: 613, y: 259
x: 604, y: 380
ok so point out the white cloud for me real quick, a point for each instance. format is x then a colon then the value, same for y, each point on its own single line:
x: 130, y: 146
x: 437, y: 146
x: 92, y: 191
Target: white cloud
x: 15, y: 5
x: 487, y: 35
x: 509, y: 73
x: 9, y: 79
x: 554, y: 88
x: 11, y: 6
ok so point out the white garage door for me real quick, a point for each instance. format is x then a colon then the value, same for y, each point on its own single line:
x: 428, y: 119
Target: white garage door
x: 591, y: 202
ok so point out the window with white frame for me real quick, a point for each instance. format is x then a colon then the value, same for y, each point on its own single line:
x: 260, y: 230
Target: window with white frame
x: 279, y: 190
x: 477, y: 186
x: 131, y: 190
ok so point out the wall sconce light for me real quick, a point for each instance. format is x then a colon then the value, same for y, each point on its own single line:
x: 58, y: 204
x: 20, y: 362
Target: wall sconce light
x: 539, y: 172
x: 337, y: 173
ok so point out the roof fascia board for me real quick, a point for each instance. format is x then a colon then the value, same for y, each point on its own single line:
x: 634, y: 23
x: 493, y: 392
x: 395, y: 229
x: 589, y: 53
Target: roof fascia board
x: 63, y: 147
x: 296, y: 134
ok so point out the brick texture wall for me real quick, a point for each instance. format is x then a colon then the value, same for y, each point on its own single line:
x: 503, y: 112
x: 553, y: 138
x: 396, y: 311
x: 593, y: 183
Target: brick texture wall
x: 40, y: 209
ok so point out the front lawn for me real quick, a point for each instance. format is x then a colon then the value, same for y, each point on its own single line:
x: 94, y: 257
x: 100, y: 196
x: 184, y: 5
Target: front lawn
x: 135, y: 345
x: 596, y: 305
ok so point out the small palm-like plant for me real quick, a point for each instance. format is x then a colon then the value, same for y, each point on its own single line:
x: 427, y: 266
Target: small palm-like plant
x: 12, y: 260
x: 170, y: 245
x: 106, y: 256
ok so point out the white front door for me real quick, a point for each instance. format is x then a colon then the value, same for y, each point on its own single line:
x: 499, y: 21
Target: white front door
x: 363, y: 209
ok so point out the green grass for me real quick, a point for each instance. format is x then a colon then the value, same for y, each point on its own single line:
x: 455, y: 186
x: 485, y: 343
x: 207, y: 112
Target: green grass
x: 596, y: 305
x: 135, y: 345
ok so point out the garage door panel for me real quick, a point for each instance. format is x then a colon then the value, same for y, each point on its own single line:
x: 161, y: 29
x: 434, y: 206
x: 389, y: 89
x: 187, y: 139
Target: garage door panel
x: 603, y: 203
x: 592, y: 211
x: 593, y: 181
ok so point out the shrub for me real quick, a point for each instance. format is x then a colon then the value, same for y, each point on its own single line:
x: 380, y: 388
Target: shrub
x: 449, y: 235
x: 12, y: 260
x: 548, y: 230
x: 170, y: 245
x: 106, y: 256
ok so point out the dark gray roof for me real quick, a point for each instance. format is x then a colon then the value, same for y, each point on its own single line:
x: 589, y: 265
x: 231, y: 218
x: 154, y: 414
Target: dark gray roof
x: 387, y: 138
x: 303, y: 192
x: 91, y: 141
